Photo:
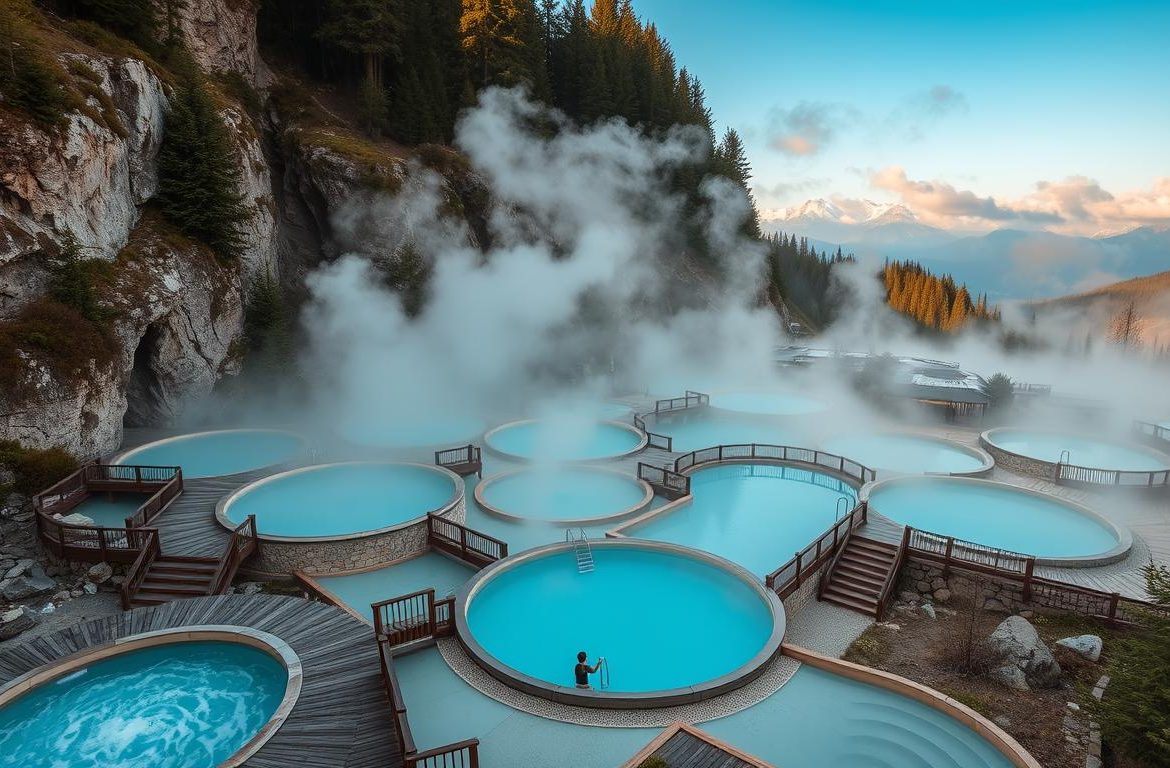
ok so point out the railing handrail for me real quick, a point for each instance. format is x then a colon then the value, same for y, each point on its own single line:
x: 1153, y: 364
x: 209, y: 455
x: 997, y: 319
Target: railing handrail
x: 137, y: 571
x: 467, y: 541
x: 234, y: 553
x: 470, y: 745
x: 840, y: 546
x: 1100, y: 475
x: 892, y: 574
x: 690, y: 459
x: 801, y: 565
x: 169, y: 491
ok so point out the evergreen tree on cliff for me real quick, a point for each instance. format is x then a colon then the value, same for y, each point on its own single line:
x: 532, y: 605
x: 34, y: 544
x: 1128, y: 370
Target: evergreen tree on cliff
x: 198, y: 169
x: 369, y: 29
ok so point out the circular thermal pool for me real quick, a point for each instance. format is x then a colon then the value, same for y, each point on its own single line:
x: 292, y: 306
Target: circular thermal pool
x: 330, y: 501
x: 180, y: 704
x: 755, y: 515
x: 222, y: 452
x: 1049, y: 447
x: 564, y: 494
x: 1055, y: 531
x: 429, y: 430
x: 911, y: 454
x: 648, y: 608
x: 556, y: 440
x: 766, y: 403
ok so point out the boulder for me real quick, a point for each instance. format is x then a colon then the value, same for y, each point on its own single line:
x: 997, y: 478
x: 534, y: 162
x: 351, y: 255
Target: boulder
x: 1088, y: 646
x: 19, y: 569
x: 89, y: 588
x: 942, y: 595
x: 928, y: 611
x: 24, y: 587
x: 13, y: 622
x: 1020, y: 646
x: 100, y: 573
x: 1011, y: 677
x: 993, y: 605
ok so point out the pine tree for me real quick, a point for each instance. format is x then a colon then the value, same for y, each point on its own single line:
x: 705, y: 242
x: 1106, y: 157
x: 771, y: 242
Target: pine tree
x: 198, y: 168
x: 494, y: 37
x: 371, y: 30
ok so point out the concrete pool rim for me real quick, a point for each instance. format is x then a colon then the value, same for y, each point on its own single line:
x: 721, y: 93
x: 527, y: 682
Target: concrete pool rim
x: 605, y: 699
x: 1115, y: 554
x: 270, y: 644
x: 455, y: 499
x: 643, y: 440
x: 987, y: 461
x: 1047, y: 469
x: 643, y: 503
x: 122, y: 458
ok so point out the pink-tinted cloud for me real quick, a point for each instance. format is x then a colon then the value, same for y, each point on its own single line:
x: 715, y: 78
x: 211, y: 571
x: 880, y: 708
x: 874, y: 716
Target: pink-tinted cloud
x: 939, y: 200
x: 808, y: 127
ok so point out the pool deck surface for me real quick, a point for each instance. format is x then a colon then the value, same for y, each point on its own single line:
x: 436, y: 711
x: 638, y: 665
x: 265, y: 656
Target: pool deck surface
x: 340, y: 719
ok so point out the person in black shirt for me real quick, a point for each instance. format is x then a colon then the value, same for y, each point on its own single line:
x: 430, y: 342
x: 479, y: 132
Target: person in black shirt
x: 582, y: 671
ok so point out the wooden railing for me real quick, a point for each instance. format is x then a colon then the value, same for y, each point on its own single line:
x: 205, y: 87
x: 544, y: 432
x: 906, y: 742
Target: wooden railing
x: 1024, y: 388
x: 405, y: 619
x: 137, y: 572
x: 689, y: 400
x: 807, y: 562
x: 1148, y: 429
x: 1070, y: 474
x: 86, y: 543
x: 464, y: 460
x: 956, y: 554
x: 665, y: 482
x: 653, y: 439
x: 462, y: 754
x: 242, y: 544
x: 789, y: 453
x: 94, y: 543
x: 467, y: 544
x: 892, y: 576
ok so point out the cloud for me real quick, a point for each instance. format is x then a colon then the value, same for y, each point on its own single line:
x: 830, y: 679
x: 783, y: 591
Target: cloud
x: 940, y: 200
x: 784, y: 191
x: 807, y: 128
x: 914, y: 114
x: 1072, y: 197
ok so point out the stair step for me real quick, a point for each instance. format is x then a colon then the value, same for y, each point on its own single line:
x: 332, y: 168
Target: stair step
x: 159, y: 596
x: 846, y: 590
x: 864, y: 558
x: 844, y: 602
x: 879, y: 547
x: 150, y: 585
x: 856, y: 582
x: 186, y: 560
x: 170, y: 577
x: 863, y: 569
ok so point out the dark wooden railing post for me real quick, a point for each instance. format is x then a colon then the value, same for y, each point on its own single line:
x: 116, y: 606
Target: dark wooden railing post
x: 463, y: 541
x: 1114, y: 599
x: 799, y: 580
x: 1029, y: 566
x: 947, y: 556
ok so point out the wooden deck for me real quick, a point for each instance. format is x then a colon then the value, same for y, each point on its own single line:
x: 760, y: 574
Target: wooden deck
x: 340, y: 720
x: 685, y: 746
x: 1145, y: 513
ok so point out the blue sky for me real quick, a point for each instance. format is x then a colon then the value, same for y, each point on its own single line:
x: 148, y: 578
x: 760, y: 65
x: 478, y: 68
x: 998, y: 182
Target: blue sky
x: 942, y: 105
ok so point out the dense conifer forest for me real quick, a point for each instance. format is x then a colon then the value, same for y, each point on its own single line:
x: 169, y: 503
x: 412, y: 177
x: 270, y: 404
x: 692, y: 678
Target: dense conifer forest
x: 934, y: 302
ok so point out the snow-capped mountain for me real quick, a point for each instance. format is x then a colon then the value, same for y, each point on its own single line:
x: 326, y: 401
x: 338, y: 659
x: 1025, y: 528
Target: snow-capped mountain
x: 863, y: 222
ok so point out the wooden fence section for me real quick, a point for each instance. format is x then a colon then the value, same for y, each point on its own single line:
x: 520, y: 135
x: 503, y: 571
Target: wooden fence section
x: 653, y: 439
x: 243, y: 543
x: 467, y: 544
x: 462, y: 754
x: 1070, y: 474
x: 86, y: 543
x: 464, y: 460
x: 137, y: 573
x: 956, y: 554
x: 806, y: 563
x: 1024, y: 388
x: 762, y: 451
x: 665, y: 482
x: 690, y: 399
x: 1155, y: 433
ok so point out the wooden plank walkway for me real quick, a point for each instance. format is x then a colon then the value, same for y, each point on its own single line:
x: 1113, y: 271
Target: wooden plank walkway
x: 1145, y: 514
x: 340, y: 720
x: 685, y: 746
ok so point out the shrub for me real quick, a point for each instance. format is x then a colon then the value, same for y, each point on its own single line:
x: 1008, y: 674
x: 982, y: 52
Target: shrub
x: 73, y: 281
x: 1000, y: 392
x: 31, y: 79
x: 1134, y: 713
x: 35, y: 470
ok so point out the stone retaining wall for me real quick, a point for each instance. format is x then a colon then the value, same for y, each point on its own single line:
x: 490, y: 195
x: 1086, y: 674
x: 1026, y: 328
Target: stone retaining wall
x: 1021, y: 465
x: 351, y: 554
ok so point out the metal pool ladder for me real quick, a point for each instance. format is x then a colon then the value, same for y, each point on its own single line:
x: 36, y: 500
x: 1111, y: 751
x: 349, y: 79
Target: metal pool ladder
x: 603, y: 674
x: 842, y: 508
x: 581, y: 547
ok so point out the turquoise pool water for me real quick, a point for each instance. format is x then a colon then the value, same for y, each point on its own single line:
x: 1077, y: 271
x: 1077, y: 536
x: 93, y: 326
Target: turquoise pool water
x: 1083, y: 451
x: 111, y: 512
x: 340, y: 499
x: 184, y: 705
x: 226, y: 452
x: 766, y: 403
x: 817, y: 720
x: 904, y: 453
x: 563, y: 493
x: 756, y: 515
x: 564, y: 440
x: 647, y: 612
x: 429, y: 430
x: 690, y: 431
x: 992, y: 514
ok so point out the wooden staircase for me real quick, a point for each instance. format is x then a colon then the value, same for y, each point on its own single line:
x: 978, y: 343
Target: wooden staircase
x: 155, y: 578
x: 171, y: 577
x: 862, y: 575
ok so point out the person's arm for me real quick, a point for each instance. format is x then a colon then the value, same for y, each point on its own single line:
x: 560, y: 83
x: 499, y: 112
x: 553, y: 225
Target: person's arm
x: 596, y: 666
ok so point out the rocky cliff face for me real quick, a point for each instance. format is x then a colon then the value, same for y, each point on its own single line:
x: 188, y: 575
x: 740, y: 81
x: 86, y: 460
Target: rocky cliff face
x: 221, y: 35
